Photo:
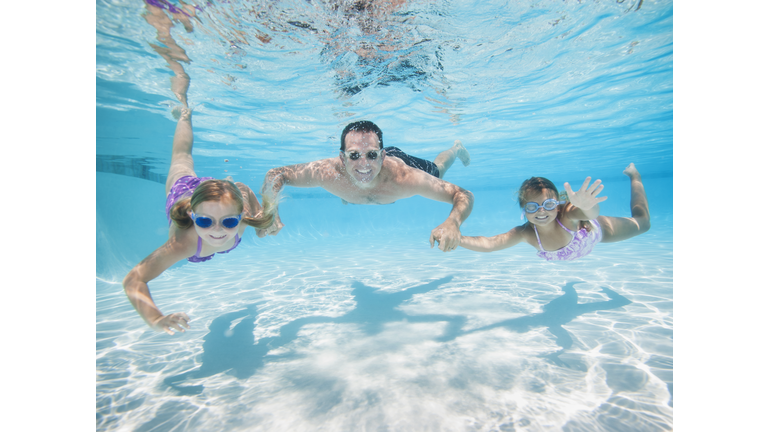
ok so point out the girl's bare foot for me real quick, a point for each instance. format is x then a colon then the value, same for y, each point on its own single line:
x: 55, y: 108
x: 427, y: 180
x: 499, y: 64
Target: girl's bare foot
x: 181, y: 111
x: 461, y: 152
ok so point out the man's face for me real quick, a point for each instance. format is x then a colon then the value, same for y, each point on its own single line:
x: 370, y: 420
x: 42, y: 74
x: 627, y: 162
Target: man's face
x: 364, y: 145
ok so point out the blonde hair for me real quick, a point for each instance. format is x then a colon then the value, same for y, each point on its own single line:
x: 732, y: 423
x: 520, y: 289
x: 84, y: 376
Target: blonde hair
x: 219, y: 190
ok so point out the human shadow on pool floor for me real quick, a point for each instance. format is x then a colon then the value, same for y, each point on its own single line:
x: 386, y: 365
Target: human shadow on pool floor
x: 225, y: 350
x: 558, y: 312
x: 233, y: 351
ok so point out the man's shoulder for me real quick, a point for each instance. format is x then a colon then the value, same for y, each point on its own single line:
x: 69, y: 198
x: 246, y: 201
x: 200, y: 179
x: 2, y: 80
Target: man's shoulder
x: 330, y: 164
x: 325, y: 170
x: 327, y: 161
x: 398, y: 171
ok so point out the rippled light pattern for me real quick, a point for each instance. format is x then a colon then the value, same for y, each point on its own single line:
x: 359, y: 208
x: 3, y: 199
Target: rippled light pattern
x: 347, y: 320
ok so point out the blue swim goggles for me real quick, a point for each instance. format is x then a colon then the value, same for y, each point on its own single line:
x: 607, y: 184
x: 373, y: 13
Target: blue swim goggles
x: 548, y: 204
x: 206, y: 222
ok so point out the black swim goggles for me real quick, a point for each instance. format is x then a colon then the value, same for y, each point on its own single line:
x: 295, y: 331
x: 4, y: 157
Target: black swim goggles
x: 371, y: 155
x: 548, y: 204
x: 206, y: 222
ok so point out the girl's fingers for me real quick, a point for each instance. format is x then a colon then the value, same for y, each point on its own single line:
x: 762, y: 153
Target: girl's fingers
x: 568, y: 189
x: 598, y: 190
x: 179, y: 322
x: 586, y: 183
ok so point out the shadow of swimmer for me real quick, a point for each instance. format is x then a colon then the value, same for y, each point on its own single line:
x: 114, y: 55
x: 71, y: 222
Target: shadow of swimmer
x: 556, y: 313
x: 225, y: 350
x: 234, y: 351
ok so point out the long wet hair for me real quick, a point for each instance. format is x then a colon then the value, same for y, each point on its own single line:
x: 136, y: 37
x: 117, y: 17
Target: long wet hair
x: 218, y: 190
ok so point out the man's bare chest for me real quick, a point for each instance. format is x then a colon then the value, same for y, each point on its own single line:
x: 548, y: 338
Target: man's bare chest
x: 373, y: 196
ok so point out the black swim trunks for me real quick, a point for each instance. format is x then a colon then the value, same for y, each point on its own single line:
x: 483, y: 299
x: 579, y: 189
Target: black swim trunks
x: 414, y: 162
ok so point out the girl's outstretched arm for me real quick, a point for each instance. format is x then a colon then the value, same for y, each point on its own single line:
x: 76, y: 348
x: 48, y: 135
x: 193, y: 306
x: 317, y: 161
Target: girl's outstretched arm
x: 137, y: 290
x: 492, y: 244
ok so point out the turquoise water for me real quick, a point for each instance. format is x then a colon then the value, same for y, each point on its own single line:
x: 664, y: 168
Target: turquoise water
x: 347, y: 320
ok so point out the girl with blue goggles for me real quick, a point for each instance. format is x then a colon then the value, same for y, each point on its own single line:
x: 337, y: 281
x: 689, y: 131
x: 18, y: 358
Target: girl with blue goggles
x: 564, y: 230
x: 206, y: 216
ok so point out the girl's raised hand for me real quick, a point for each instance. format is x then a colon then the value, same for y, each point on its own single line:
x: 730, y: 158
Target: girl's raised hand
x: 586, y: 197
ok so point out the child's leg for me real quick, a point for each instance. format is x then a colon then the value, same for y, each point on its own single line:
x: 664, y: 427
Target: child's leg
x: 618, y: 229
x: 445, y: 159
x: 181, y: 156
x: 171, y: 51
x: 180, y: 85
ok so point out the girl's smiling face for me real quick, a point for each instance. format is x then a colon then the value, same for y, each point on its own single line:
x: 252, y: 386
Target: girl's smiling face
x: 217, y: 235
x: 541, y: 217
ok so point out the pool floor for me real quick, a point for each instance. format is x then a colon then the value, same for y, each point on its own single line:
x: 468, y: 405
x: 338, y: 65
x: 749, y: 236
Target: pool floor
x: 321, y: 332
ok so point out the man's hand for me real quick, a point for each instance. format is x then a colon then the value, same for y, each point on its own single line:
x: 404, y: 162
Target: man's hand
x: 447, y: 236
x: 273, y: 229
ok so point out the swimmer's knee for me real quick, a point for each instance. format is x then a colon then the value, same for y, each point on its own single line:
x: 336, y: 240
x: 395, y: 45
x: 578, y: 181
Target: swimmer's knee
x: 440, y: 171
x: 644, y: 225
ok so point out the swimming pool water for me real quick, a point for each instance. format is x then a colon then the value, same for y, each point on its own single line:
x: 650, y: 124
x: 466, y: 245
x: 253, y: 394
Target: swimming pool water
x: 347, y: 320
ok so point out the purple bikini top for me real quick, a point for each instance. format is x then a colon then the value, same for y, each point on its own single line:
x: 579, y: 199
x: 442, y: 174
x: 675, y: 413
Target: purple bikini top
x: 581, y: 244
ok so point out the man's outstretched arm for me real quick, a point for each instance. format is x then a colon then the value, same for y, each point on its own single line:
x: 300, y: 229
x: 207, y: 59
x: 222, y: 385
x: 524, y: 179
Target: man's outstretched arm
x: 309, y: 174
x: 447, y: 234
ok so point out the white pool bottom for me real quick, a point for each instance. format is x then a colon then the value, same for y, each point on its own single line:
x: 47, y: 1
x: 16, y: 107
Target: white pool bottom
x: 472, y: 346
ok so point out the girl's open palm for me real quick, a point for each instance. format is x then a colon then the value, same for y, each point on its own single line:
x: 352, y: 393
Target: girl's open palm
x: 586, y: 197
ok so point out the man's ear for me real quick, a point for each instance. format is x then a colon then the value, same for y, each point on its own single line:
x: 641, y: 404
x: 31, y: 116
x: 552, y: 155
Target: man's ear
x: 341, y: 157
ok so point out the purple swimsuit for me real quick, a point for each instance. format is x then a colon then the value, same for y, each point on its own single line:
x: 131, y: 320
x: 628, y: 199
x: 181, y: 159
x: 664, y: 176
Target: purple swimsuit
x: 581, y: 244
x: 185, y: 186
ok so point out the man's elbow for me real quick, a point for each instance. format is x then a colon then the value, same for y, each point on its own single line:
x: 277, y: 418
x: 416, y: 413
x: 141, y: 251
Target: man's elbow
x: 271, y: 174
x: 273, y: 177
x: 129, y: 284
x: 466, y: 196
